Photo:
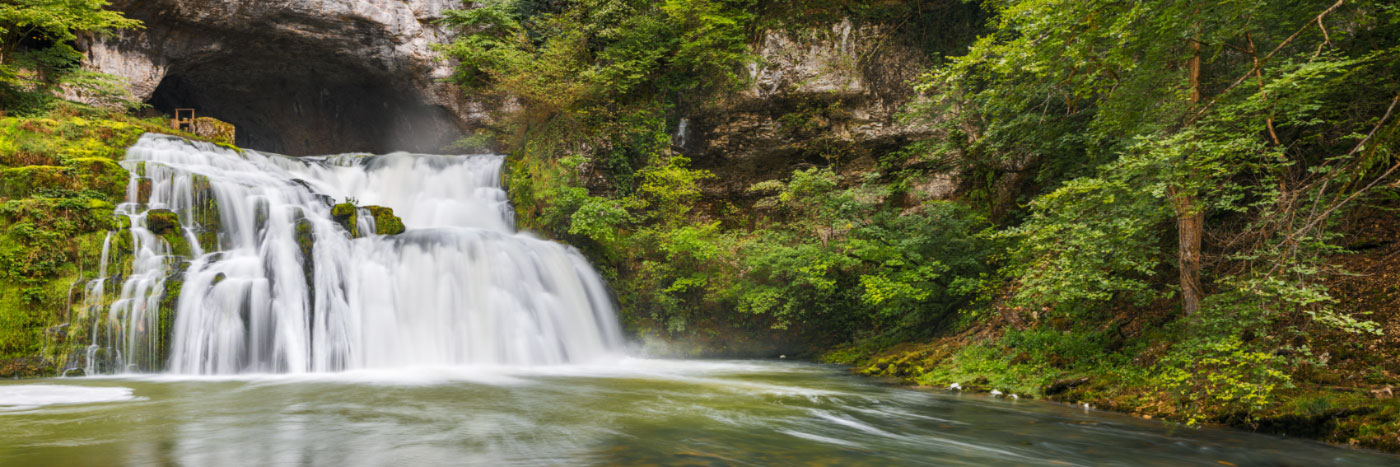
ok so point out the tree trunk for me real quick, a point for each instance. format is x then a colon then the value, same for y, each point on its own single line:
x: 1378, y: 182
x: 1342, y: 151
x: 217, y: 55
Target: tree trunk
x: 1190, y: 226
x: 1190, y: 219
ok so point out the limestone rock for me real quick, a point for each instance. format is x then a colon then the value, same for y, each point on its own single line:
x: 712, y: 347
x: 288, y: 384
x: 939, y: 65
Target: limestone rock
x: 821, y: 95
x: 297, y: 76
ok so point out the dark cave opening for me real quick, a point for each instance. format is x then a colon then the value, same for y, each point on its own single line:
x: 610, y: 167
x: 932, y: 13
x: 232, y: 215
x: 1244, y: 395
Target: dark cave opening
x: 306, y: 103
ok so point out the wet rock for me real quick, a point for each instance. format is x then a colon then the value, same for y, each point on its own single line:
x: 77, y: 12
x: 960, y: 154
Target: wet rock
x: 165, y: 224
x: 162, y: 221
x: 347, y: 215
x: 385, y: 222
x: 206, y: 214
x: 143, y: 190
x: 1060, y: 386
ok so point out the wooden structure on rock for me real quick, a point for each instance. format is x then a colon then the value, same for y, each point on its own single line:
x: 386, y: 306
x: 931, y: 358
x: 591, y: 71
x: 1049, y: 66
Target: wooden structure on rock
x: 213, y: 129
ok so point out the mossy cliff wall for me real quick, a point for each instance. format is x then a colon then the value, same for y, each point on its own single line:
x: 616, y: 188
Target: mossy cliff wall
x: 59, y: 184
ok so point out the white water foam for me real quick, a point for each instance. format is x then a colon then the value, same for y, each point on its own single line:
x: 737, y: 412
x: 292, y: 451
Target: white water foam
x: 459, y: 287
x: 31, y: 396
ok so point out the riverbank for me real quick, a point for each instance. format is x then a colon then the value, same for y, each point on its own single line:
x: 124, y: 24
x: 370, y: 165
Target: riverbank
x: 1343, y: 415
x: 1343, y: 391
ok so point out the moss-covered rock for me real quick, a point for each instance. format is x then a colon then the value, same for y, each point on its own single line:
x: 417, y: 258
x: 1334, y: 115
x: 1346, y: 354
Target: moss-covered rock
x: 88, y: 175
x: 162, y: 221
x: 168, y: 301
x: 100, y: 174
x: 143, y: 190
x: 347, y: 215
x: 206, y: 214
x: 306, y: 239
x: 306, y: 243
x: 385, y: 222
x: 214, y: 129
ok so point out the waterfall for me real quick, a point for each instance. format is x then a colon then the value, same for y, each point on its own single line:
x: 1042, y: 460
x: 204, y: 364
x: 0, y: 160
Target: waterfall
x: 234, y: 263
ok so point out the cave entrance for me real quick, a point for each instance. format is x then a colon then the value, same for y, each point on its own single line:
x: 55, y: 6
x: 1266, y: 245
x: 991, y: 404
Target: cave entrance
x: 303, y: 103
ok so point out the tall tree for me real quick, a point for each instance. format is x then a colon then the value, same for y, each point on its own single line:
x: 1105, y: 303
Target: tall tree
x: 1144, y: 99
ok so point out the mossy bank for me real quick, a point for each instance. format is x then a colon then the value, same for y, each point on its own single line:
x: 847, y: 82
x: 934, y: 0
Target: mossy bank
x: 59, y: 183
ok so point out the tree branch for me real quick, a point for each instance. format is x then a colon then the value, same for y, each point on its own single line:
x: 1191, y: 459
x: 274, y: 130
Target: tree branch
x: 1260, y: 63
x: 1316, y: 218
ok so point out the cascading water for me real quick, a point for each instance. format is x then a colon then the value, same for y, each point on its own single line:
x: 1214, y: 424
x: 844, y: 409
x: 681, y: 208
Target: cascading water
x: 257, y: 275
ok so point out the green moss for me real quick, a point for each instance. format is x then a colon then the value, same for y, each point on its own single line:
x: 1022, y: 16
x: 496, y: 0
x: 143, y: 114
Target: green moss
x: 347, y: 215
x: 306, y: 237
x: 206, y: 214
x: 60, y: 179
x: 162, y: 221
x: 306, y: 242
x: 343, y: 211
x: 21, y: 182
x: 165, y: 224
x: 64, y: 216
x: 37, y: 277
x: 102, y: 175
x: 218, y: 131
x: 168, y: 302
x: 76, y: 131
x: 385, y: 222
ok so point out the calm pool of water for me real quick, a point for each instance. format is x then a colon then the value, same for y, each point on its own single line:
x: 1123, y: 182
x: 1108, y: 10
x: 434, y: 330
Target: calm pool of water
x: 637, y: 412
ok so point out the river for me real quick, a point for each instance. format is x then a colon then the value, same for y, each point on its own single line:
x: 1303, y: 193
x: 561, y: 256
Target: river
x: 632, y: 412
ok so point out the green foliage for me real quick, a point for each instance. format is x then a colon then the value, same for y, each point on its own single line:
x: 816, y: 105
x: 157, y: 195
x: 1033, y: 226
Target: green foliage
x: 1221, y: 377
x: 1092, y: 132
x: 990, y: 365
x: 36, y: 51
x: 597, y: 55
x: 1087, y: 243
x: 1096, y: 98
x: 1082, y: 134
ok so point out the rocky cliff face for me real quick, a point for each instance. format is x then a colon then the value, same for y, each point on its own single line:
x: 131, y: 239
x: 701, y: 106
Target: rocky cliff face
x: 325, y: 76
x: 828, y: 95
x: 297, y: 76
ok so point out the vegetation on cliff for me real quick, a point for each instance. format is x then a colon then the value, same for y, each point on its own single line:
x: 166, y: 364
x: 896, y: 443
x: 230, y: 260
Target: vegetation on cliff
x: 59, y: 177
x: 38, y: 54
x: 59, y: 183
x: 597, y: 87
x: 1157, y: 203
